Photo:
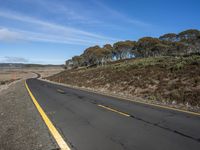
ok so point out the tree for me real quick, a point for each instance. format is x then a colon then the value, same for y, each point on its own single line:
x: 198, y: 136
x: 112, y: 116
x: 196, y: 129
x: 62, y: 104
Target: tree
x: 68, y: 64
x: 90, y: 55
x: 177, y: 48
x: 191, y: 38
x: 108, y: 52
x: 184, y: 43
x: 102, y: 55
x: 172, y: 37
x: 77, y: 61
x: 146, y: 46
x: 189, y: 34
x: 160, y: 49
x: 123, y: 49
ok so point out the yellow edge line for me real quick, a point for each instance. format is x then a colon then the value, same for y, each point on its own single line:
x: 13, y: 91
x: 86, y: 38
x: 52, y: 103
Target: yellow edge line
x: 61, y: 143
x: 113, y: 110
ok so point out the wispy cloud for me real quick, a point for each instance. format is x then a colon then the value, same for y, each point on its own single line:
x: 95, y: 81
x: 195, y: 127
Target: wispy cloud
x: 51, y: 32
x: 46, y: 31
x: 14, y: 35
x: 48, y: 25
x: 8, y: 59
x: 8, y: 36
x: 66, y: 11
x: 121, y: 16
x: 63, y: 9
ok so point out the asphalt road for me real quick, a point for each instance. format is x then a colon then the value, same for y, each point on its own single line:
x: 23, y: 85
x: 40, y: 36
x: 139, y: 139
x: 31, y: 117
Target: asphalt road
x: 89, y: 121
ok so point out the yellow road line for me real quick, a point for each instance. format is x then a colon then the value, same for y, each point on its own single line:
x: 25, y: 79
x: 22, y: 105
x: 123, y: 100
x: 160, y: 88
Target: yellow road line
x: 140, y: 102
x: 61, y: 143
x: 116, y: 111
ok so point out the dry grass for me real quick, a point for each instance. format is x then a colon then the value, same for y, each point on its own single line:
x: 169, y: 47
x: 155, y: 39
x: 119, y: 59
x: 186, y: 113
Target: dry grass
x: 166, y: 79
x: 9, y: 75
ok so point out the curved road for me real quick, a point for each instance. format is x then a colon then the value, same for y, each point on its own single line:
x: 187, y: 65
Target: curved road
x: 89, y: 121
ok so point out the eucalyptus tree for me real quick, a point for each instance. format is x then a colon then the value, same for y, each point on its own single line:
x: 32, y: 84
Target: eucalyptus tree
x: 146, y: 46
x: 108, y: 53
x: 172, y: 37
x: 77, y: 61
x: 123, y: 49
x: 191, y: 34
x: 90, y: 55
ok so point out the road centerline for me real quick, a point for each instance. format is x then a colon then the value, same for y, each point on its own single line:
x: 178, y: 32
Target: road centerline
x: 60, y: 91
x: 114, y: 110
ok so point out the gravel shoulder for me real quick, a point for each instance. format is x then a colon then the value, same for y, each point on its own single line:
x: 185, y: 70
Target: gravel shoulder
x: 22, y: 128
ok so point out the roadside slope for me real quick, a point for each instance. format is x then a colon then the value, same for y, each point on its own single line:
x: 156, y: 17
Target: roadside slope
x: 21, y: 125
x: 167, y: 80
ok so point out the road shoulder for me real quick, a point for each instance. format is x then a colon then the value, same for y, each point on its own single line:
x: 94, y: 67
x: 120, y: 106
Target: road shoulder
x: 21, y: 125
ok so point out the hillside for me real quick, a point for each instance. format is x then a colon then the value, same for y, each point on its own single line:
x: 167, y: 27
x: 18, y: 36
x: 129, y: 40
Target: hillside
x: 21, y: 65
x: 171, y: 80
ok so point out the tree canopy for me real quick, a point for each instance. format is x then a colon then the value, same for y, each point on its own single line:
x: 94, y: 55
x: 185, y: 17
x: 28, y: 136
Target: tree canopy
x: 170, y: 44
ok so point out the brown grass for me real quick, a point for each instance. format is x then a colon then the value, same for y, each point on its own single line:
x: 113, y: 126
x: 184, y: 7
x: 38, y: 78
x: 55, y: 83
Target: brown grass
x: 161, y: 79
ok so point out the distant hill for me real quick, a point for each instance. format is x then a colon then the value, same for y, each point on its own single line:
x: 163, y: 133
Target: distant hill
x: 21, y: 65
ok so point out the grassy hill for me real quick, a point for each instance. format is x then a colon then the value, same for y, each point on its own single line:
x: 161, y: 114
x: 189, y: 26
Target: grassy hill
x: 163, y: 79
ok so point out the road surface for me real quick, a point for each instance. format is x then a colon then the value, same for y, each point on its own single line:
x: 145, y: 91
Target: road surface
x: 89, y: 121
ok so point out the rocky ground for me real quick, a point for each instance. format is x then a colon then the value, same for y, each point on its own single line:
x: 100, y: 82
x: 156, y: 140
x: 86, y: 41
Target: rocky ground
x: 173, y: 81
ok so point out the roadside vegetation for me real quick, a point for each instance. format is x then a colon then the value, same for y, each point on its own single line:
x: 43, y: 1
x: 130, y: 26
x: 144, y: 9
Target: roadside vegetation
x: 171, y: 44
x: 7, y: 81
x: 164, y: 69
x: 165, y: 79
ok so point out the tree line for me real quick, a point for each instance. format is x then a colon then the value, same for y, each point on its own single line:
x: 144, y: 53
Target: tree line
x: 171, y: 44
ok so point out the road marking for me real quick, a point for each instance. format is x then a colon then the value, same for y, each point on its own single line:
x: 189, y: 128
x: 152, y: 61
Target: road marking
x: 116, y: 111
x: 60, y: 91
x: 61, y: 143
x: 127, y: 99
x: 140, y: 102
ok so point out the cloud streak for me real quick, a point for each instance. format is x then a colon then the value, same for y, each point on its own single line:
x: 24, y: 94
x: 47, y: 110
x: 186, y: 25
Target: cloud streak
x: 67, y: 10
x: 8, y: 59
x: 121, y: 16
x: 8, y: 36
x: 14, y: 35
x: 45, y: 31
x: 51, y: 32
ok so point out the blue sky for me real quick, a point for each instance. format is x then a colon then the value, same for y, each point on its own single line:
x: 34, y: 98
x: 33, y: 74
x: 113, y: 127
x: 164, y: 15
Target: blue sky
x: 51, y: 31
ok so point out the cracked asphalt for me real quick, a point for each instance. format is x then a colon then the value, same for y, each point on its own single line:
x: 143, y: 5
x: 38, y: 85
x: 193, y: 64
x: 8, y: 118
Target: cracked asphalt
x: 21, y: 127
x: 86, y: 126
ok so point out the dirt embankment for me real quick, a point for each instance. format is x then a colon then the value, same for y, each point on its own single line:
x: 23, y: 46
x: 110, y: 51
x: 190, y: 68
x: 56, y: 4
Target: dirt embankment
x: 168, y: 80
